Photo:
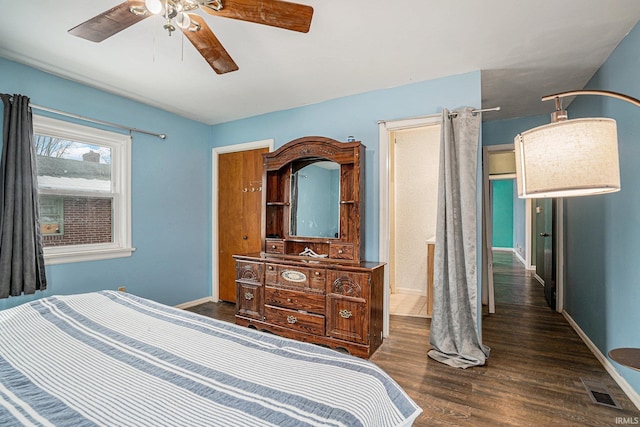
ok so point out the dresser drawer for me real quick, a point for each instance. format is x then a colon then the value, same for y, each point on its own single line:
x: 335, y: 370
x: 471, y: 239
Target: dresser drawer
x: 348, y: 284
x: 295, y: 300
x: 271, y: 274
x: 295, y: 277
x: 249, y: 300
x: 318, y: 279
x: 292, y: 319
x: 347, y: 319
x: 249, y: 272
x: 341, y: 251
x: 274, y: 247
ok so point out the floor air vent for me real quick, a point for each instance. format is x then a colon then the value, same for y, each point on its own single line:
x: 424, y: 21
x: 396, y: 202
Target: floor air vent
x: 599, y: 393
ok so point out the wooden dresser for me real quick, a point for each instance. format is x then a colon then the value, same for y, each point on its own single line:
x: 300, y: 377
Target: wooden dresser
x: 336, y: 305
x: 309, y: 282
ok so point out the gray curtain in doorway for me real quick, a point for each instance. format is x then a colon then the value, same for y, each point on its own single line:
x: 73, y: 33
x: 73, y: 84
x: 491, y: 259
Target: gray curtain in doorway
x: 454, y: 334
x: 21, y: 249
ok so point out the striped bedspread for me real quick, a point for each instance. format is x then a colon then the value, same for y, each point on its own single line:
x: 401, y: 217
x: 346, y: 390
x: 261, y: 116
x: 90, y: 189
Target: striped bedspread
x: 113, y: 359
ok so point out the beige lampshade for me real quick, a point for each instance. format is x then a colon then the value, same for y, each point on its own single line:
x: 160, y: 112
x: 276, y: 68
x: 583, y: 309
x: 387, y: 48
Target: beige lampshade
x: 568, y: 158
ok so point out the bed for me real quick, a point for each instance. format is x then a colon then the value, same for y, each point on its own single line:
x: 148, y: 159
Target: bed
x: 114, y: 359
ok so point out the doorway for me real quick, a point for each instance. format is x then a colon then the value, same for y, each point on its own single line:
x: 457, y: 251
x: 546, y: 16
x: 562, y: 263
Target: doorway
x: 409, y: 159
x: 236, y: 206
x: 534, y: 211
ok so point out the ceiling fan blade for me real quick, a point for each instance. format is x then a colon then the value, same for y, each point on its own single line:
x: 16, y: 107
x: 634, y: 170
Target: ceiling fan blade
x: 108, y: 23
x: 275, y: 13
x: 209, y: 46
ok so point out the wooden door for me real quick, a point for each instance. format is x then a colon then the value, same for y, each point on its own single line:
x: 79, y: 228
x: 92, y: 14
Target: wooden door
x: 239, y: 207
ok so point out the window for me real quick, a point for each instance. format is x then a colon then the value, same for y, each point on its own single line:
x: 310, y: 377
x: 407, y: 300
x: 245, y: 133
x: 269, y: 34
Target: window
x: 51, y: 215
x: 84, y: 183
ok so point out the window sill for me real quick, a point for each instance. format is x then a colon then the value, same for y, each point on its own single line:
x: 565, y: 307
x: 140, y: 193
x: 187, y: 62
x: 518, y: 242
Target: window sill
x: 69, y: 255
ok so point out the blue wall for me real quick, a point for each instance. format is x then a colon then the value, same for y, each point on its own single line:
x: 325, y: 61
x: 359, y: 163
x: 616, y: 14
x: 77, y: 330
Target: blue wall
x: 170, y: 195
x: 171, y: 179
x: 503, y: 131
x: 602, y: 237
x: 357, y: 115
x: 503, y: 213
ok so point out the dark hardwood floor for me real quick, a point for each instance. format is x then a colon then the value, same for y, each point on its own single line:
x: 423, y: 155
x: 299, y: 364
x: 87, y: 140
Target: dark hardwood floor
x: 532, y: 377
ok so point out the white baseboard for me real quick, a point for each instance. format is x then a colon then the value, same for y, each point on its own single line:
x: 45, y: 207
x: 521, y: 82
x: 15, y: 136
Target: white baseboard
x: 633, y: 395
x: 194, y: 303
x: 410, y: 291
x: 522, y: 260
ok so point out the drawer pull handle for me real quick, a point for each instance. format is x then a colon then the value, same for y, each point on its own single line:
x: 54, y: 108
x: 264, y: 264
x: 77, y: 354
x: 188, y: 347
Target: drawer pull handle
x: 248, y: 296
x: 291, y: 319
x: 345, y: 314
x: 270, y: 267
x: 288, y: 299
x: 273, y: 246
x: 317, y: 273
x: 339, y: 251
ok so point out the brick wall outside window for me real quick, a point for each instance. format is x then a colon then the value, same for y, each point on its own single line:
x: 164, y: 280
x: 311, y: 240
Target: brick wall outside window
x: 87, y: 220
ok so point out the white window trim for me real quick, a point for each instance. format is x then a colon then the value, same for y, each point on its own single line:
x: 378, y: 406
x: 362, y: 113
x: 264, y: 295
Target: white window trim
x: 121, y: 185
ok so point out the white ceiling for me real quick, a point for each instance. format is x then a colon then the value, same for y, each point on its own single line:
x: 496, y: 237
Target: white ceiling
x: 525, y: 49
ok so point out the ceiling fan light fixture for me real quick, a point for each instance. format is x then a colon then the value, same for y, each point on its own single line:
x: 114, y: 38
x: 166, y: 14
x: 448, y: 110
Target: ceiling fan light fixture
x: 273, y: 13
x: 156, y: 7
x: 215, y: 5
x: 183, y: 20
x: 139, y: 10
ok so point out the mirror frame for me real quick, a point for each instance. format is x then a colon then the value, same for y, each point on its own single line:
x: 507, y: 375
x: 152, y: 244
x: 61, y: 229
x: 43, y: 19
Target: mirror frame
x: 276, y: 204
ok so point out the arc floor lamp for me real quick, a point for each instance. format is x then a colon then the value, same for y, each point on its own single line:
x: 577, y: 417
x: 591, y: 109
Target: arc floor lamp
x: 569, y: 158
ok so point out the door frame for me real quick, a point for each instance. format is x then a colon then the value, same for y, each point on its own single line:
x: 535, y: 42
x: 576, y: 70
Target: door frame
x: 529, y: 230
x: 215, y: 152
x: 384, y: 130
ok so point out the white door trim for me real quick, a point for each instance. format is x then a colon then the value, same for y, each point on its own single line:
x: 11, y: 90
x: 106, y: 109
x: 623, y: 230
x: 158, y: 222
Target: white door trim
x: 384, y: 128
x: 488, y: 288
x: 216, y: 151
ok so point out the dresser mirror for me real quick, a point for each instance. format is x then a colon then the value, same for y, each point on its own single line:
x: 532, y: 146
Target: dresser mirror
x: 315, y: 203
x: 312, y: 190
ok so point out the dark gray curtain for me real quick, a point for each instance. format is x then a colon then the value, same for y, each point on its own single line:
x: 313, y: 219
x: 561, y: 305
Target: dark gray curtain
x: 454, y: 334
x: 21, y: 250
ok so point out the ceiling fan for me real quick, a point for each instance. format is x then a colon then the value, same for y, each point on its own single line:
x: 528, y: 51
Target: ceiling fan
x: 275, y: 13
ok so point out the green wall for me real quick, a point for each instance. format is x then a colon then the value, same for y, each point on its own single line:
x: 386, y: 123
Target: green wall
x: 502, y: 213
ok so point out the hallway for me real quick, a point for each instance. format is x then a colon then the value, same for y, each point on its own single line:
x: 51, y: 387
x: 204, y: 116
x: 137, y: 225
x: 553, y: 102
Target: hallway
x: 532, y: 377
